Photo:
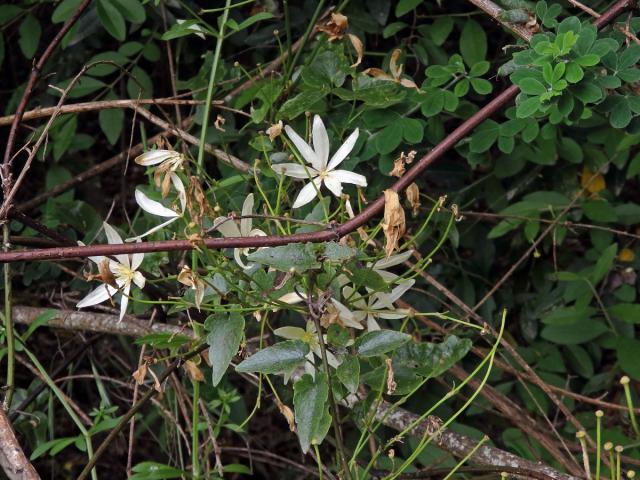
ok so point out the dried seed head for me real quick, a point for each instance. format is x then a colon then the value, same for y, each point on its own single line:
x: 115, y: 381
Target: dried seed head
x: 625, y: 380
x: 608, y: 446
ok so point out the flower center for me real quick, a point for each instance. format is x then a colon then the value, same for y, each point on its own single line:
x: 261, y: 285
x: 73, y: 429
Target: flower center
x: 323, y: 174
x: 123, y: 272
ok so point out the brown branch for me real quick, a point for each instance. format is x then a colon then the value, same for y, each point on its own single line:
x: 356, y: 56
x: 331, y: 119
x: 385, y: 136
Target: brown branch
x: 496, y: 12
x: 5, y: 169
x: 13, y: 461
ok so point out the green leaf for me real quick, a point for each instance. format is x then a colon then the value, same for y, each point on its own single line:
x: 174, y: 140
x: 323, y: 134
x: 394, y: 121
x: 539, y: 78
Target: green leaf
x: 481, y: 86
x: 111, y: 122
x: 224, y: 340
x: 388, y: 139
x: 39, y: 321
x: 328, y: 70
x: 440, y: 29
x: 279, y: 358
x: 373, y: 92
x: 531, y: 86
x: 484, y: 136
x: 627, y: 312
x: 628, y: 350
x: 310, y: 401
x: 64, y: 10
x: 473, y: 42
x: 579, y: 332
x: 103, y: 69
x: 568, y: 315
x: 348, y: 373
x: 433, y: 103
x: 30, y: 32
x: 379, y: 342
x: 604, y: 264
x: 393, y: 28
x: 111, y: 19
x: 301, y: 256
x: 58, y: 444
x: 527, y: 107
x: 433, y: 359
x: 412, y: 130
x: 580, y: 361
x: 183, y: 29
x: 599, y: 211
x: 132, y: 10
x: 258, y: 17
x: 405, y: 6
x: 303, y: 102
x: 366, y: 277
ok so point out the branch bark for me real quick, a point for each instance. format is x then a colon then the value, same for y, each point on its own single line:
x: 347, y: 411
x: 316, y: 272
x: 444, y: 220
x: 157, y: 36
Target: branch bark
x: 13, y: 461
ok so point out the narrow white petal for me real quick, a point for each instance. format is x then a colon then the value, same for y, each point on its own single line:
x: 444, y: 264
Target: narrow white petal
x: 320, y: 142
x: 345, y: 176
x: 179, y: 186
x: 386, y: 299
x: 290, y: 333
x: 294, y: 170
x: 136, y: 260
x: 292, y: 298
x: 372, y: 324
x: 333, y: 185
x: 139, y: 280
x: 346, y: 316
x: 226, y: 226
x: 303, y: 147
x: 308, y: 193
x: 393, y: 260
x: 114, y: 237
x: 332, y: 360
x: 153, y: 207
x: 153, y: 230
x: 247, y: 209
x: 392, y: 315
x: 153, y: 157
x: 344, y: 150
x: 256, y: 232
x: 94, y: 297
x: 237, y: 255
x: 124, y: 300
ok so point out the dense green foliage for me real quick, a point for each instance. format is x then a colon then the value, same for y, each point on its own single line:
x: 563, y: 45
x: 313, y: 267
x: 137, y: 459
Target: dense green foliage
x: 549, y: 184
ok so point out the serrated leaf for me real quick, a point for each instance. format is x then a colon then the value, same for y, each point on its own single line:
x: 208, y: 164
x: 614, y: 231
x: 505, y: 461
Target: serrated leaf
x: 224, y: 340
x: 279, y: 358
x: 310, y: 401
x: 379, y: 342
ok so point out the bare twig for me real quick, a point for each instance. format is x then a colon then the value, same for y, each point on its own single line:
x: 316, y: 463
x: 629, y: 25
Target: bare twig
x: 495, y: 12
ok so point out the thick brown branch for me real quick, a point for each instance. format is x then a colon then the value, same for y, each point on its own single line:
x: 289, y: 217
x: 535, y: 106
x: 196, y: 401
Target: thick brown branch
x: 13, y: 461
x: 496, y: 12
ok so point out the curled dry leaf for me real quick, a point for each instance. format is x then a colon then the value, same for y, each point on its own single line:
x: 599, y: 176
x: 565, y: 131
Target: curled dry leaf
x: 400, y: 162
x: 358, y: 47
x: 275, y: 130
x: 191, y: 279
x: 194, y: 372
x: 391, y: 382
x: 335, y: 27
x: 287, y: 413
x: 197, y: 203
x: 140, y: 374
x: 220, y: 120
x: 393, y: 224
x: 413, y: 197
x: 395, y: 70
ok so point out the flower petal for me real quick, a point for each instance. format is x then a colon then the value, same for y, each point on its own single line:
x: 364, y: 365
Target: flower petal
x: 303, y: 147
x: 237, y: 255
x: 308, y: 193
x: 153, y: 207
x: 94, y: 297
x: 345, y: 315
x: 153, y: 230
x: 114, y: 237
x: 139, y: 280
x: 333, y: 185
x: 320, y: 142
x: 136, y: 260
x: 290, y: 333
x: 344, y: 150
x: 372, y: 324
x: 179, y: 186
x: 247, y: 209
x: 153, y: 157
x: 383, y: 300
x: 292, y: 298
x: 393, y: 315
x: 294, y: 170
x: 226, y: 226
x: 345, y: 176
x: 124, y: 300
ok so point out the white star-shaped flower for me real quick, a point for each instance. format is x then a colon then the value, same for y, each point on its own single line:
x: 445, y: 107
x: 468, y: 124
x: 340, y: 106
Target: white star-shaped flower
x: 124, y: 271
x: 378, y: 305
x: 321, y: 169
x: 229, y: 228
x: 310, y: 337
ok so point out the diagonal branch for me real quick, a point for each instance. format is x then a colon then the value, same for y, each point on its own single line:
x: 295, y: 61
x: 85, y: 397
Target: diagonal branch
x: 13, y: 461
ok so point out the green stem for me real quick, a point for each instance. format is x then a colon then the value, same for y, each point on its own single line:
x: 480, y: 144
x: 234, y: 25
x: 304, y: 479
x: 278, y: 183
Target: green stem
x: 466, y: 457
x: 195, y: 420
x: 632, y: 416
x: 74, y: 416
x: 335, y: 419
x: 8, y: 323
x: 599, y: 415
x: 317, y: 450
x: 212, y: 79
x: 307, y: 33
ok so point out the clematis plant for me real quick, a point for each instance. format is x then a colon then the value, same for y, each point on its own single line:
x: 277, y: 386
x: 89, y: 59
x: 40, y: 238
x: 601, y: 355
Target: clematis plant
x: 118, y: 275
x: 229, y: 228
x: 377, y: 305
x: 309, y: 336
x: 321, y: 169
x: 167, y: 163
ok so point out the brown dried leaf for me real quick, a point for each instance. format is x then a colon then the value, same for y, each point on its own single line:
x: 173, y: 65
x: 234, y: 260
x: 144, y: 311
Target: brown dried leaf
x: 194, y: 372
x: 140, y: 374
x: 358, y: 47
x: 335, y: 27
x: 191, y: 279
x: 398, y: 167
x: 394, y: 67
x: 287, y: 413
x: 413, y: 197
x: 275, y: 130
x: 393, y: 224
x: 220, y: 120
x: 391, y: 383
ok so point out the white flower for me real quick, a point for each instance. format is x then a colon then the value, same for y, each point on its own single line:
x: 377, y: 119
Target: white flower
x: 168, y: 162
x: 156, y: 208
x: 229, y: 228
x: 124, y: 271
x: 378, y: 305
x: 380, y: 267
x: 322, y: 170
x: 310, y: 337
